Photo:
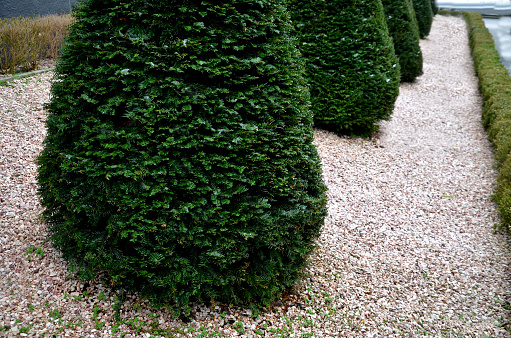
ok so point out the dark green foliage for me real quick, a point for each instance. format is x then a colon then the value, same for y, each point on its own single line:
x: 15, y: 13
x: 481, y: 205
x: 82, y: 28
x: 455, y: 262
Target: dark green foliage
x: 405, y: 34
x: 179, y: 156
x: 351, y: 64
x: 434, y: 7
x: 495, y: 88
x: 424, y: 15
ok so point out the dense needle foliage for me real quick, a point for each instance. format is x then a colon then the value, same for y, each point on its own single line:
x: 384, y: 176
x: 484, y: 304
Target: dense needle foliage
x: 404, y: 30
x: 179, y: 156
x: 351, y: 64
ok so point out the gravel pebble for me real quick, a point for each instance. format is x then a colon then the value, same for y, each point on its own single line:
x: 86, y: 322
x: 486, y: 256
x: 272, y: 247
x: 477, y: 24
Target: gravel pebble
x: 410, y: 245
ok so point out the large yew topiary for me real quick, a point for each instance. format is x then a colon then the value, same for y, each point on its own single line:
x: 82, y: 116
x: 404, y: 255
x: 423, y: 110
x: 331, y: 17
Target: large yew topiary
x: 351, y: 64
x: 405, y: 34
x: 179, y: 156
x: 424, y: 15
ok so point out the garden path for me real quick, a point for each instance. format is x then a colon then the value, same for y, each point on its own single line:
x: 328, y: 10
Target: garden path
x: 411, y: 231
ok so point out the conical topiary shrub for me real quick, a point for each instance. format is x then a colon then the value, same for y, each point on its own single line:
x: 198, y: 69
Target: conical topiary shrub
x: 179, y: 156
x: 352, y: 68
x: 424, y: 15
x: 434, y: 7
x: 405, y: 34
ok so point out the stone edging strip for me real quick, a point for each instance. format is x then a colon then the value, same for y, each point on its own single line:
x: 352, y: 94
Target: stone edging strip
x: 27, y: 74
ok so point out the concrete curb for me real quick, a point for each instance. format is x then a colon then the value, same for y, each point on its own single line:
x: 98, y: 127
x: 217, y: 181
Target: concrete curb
x: 27, y: 74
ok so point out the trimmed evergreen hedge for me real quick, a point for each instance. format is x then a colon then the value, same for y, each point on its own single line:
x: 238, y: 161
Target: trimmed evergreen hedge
x: 351, y: 64
x: 424, y: 15
x: 495, y: 88
x: 179, y: 156
x: 404, y: 30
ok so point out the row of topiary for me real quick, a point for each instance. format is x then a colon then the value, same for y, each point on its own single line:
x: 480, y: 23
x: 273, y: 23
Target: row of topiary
x: 495, y: 88
x: 179, y: 157
x: 354, y: 73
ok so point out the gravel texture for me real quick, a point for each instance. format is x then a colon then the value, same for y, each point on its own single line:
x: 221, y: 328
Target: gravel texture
x: 411, y: 245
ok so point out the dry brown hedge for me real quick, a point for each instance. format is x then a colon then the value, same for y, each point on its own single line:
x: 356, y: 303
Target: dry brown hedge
x: 24, y: 42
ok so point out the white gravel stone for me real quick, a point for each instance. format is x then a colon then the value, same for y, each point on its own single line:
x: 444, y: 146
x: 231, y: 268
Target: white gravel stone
x: 409, y: 246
